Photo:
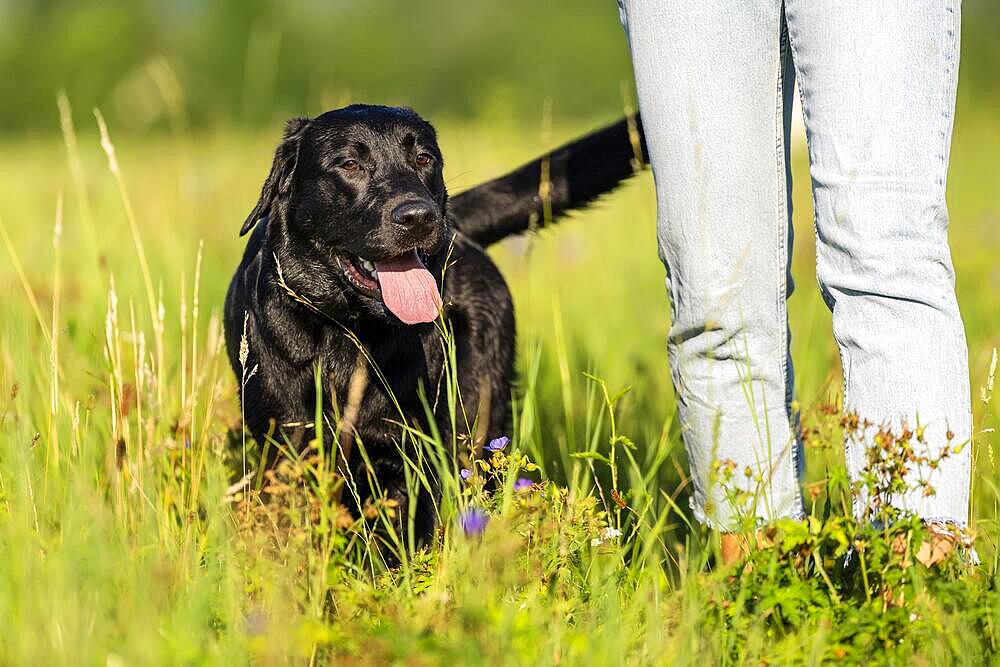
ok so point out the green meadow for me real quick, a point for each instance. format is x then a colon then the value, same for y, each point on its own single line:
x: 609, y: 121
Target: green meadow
x: 125, y: 538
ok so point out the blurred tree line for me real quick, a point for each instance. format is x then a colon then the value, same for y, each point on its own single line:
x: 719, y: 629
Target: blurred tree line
x: 152, y: 63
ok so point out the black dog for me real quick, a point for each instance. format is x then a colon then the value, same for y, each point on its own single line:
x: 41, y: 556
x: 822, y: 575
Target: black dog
x: 351, y: 238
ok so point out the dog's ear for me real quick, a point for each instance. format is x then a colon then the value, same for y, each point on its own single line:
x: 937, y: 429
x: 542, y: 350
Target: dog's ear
x: 279, y: 181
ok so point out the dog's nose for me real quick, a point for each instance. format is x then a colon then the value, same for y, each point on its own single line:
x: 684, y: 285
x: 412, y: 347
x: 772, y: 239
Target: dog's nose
x: 414, y: 214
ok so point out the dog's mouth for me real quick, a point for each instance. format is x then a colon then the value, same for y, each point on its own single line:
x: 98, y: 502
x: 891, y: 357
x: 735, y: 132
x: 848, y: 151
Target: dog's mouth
x: 361, y: 274
x: 402, y: 283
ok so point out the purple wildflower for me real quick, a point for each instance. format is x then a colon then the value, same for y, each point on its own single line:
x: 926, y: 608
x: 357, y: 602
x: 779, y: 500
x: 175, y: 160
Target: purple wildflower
x: 473, y: 521
x: 498, y: 444
x: 523, y: 484
x: 465, y: 474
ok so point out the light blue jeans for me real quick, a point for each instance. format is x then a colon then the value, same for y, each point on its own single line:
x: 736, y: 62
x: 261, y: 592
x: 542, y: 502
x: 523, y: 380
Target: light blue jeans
x: 877, y: 80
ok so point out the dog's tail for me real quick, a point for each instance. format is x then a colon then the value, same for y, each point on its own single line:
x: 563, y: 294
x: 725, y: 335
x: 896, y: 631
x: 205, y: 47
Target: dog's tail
x: 568, y: 178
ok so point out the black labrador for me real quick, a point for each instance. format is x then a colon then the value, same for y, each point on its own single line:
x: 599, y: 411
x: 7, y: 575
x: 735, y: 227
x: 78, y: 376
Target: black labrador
x: 356, y: 261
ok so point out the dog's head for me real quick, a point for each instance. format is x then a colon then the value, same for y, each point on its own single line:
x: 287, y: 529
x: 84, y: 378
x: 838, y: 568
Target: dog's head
x: 357, y: 195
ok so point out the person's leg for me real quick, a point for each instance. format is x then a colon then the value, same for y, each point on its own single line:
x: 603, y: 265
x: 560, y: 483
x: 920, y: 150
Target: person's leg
x: 714, y: 85
x: 878, y: 83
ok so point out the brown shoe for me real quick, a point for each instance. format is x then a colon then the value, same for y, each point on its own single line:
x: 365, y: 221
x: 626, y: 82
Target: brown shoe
x: 938, y: 546
x: 735, y: 546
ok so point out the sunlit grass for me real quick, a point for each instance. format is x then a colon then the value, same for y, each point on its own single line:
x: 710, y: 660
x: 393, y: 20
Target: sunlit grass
x: 125, y: 537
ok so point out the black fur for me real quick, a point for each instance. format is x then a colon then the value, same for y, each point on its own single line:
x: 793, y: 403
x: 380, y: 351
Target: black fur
x: 334, y: 191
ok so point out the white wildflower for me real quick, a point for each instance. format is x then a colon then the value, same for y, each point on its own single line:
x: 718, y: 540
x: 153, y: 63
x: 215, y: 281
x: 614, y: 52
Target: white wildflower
x: 606, y: 535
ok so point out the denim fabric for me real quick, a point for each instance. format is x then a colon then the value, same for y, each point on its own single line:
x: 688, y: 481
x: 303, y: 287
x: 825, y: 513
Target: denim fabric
x: 877, y: 80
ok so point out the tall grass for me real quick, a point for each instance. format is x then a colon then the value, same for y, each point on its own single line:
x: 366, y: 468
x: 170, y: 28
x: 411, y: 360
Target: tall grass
x: 129, y: 533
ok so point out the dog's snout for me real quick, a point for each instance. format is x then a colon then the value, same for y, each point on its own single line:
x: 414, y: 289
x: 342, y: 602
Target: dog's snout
x: 414, y: 214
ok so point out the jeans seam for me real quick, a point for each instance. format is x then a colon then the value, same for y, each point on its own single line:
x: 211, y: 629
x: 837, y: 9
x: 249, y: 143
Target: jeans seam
x: 952, y: 27
x: 783, y: 258
x: 953, y: 55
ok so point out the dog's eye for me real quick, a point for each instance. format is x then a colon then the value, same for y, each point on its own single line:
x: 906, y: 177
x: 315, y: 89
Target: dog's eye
x: 350, y: 165
x: 424, y: 159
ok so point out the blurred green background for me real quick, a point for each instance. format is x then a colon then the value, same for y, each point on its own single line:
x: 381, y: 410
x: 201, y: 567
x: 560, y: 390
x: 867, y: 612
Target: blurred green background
x: 250, y: 61
x: 147, y: 63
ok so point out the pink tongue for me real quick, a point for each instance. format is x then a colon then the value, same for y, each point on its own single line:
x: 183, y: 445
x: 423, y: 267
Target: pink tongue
x: 408, y: 288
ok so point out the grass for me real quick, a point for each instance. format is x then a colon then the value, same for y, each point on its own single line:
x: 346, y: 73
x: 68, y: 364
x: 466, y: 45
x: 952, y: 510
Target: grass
x: 123, y: 539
